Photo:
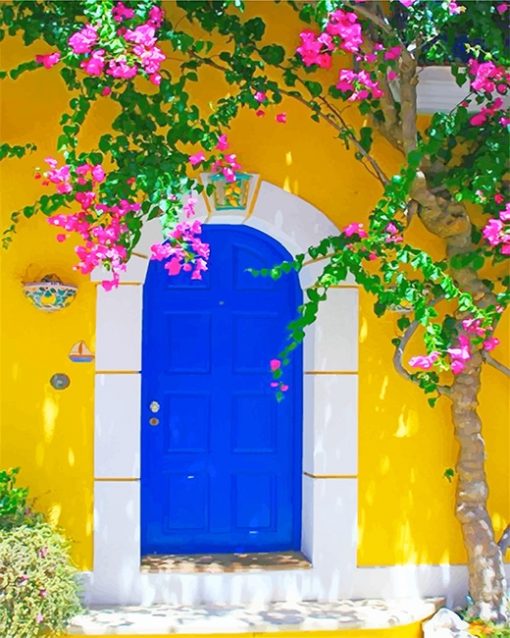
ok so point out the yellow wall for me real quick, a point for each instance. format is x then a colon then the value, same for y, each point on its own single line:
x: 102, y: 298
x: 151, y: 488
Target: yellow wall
x: 405, y: 506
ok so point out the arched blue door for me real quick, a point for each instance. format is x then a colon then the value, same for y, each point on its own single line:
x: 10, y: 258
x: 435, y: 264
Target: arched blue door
x: 221, y: 471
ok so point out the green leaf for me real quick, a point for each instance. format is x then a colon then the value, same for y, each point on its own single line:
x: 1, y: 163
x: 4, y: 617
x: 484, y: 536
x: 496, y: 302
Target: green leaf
x: 272, y: 54
x: 365, y: 138
x: 315, y: 88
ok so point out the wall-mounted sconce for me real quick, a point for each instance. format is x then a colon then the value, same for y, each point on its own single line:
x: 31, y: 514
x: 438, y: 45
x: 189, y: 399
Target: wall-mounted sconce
x: 230, y: 196
x: 50, y: 294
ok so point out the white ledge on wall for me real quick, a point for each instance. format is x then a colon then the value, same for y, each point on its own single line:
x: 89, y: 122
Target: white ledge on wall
x: 438, y: 90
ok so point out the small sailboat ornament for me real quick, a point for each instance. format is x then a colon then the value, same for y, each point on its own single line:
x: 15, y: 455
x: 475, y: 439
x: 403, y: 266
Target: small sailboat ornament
x: 80, y: 353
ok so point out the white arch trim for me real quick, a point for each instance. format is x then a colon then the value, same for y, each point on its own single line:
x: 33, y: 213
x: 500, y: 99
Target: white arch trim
x: 330, y: 431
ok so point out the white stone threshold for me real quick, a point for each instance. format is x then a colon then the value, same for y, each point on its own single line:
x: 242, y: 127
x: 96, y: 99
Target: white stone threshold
x: 276, y: 617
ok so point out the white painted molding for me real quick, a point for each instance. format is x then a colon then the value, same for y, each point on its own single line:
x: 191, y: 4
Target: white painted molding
x: 329, y: 512
x: 117, y: 426
x: 438, y: 91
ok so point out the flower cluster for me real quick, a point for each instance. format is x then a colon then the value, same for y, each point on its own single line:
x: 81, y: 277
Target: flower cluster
x: 342, y: 32
x: 488, y: 77
x: 461, y: 351
x: 360, y: 84
x: 141, y: 54
x: 102, y: 228
x: 275, y: 365
x: 226, y: 164
x: 184, y: 250
x: 497, y: 231
x: 486, y: 112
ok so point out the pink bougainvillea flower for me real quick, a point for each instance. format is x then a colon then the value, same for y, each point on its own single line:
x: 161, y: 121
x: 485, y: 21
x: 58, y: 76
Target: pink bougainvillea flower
x: 361, y: 84
x: 345, y: 25
x: 474, y: 326
x: 502, y: 8
x: 275, y: 364
x: 281, y: 118
x: 222, y: 143
x: 492, y: 231
x: 393, y: 53
x: 315, y: 49
x: 478, y: 119
x: 143, y: 34
x: 504, y: 214
x: 119, y: 68
x: 407, y: 3
x: 48, y: 60
x: 156, y: 15
x: 155, y: 78
x: 392, y: 75
x: 106, y: 91
x: 457, y: 366
x: 94, y: 65
x: 355, y: 229
x: 260, y: 113
x: 260, y: 96
x: 173, y: 266
x: 98, y: 174
x: 274, y: 384
x: 498, y: 198
x: 61, y: 237
x: 454, y: 8
x: 86, y: 198
x: 39, y: 618
x: 83, y: 40
x: 120, y: 12
x: 425, y: 362
x: 490, y: 343
x: 284, y: 387
x: 197, y: 158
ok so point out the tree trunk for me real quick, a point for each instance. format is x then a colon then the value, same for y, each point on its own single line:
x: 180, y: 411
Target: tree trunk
x: 487, y: 583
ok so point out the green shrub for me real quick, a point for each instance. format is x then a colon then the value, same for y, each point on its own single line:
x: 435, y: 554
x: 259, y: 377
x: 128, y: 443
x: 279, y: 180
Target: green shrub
x: 38, y: 591
x: 14, y: 506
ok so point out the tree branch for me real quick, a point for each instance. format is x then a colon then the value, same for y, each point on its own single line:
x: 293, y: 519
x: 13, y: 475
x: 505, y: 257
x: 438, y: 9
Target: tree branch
x: 504, y: 541
x: 374, y: 18
x: 408, y: 114
x: 496, y: 364
x: 399, y: 353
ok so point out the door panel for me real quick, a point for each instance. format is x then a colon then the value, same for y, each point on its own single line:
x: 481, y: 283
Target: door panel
x: 221, y: 468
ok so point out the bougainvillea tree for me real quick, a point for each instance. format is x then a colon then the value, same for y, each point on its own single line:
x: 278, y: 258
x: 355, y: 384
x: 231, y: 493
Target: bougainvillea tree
x: 147, y: 57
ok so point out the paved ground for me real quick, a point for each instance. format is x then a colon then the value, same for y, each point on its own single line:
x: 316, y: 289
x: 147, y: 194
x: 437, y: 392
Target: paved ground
x: 304, y: 616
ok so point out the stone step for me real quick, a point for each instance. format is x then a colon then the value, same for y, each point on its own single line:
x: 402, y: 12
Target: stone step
x: 335, y: 617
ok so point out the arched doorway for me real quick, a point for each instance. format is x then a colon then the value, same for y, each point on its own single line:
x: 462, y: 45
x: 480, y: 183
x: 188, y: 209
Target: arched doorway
x: 221, y: 462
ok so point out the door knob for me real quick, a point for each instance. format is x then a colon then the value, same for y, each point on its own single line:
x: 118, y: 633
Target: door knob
x: 153, y: 421
x: 154, y: 407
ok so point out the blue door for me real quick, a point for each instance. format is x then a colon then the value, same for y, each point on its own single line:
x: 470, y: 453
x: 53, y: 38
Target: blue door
x: 221, y: 470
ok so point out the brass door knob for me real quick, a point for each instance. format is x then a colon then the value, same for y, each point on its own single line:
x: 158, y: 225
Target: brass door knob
x: 153, y: 421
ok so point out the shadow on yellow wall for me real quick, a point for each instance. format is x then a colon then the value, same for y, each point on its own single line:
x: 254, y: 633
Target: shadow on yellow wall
x: 405, y: 505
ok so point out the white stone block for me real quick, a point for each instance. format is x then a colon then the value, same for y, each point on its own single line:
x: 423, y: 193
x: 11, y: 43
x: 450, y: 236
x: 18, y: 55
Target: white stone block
x: 116, y: 577
x: 117, y: 426
x: 136, y: 270
x: 333, y: 338
x: 331, y: 424
x: 119, y: 328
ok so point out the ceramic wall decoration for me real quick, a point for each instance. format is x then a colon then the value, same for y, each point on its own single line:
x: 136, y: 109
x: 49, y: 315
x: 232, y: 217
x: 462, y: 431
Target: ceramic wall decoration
x: 50, y: 294
x: 60, y: 381
x: 80, y: 353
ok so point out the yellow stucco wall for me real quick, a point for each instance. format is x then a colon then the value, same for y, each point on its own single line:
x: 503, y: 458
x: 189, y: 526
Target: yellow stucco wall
x: 405, y: 506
